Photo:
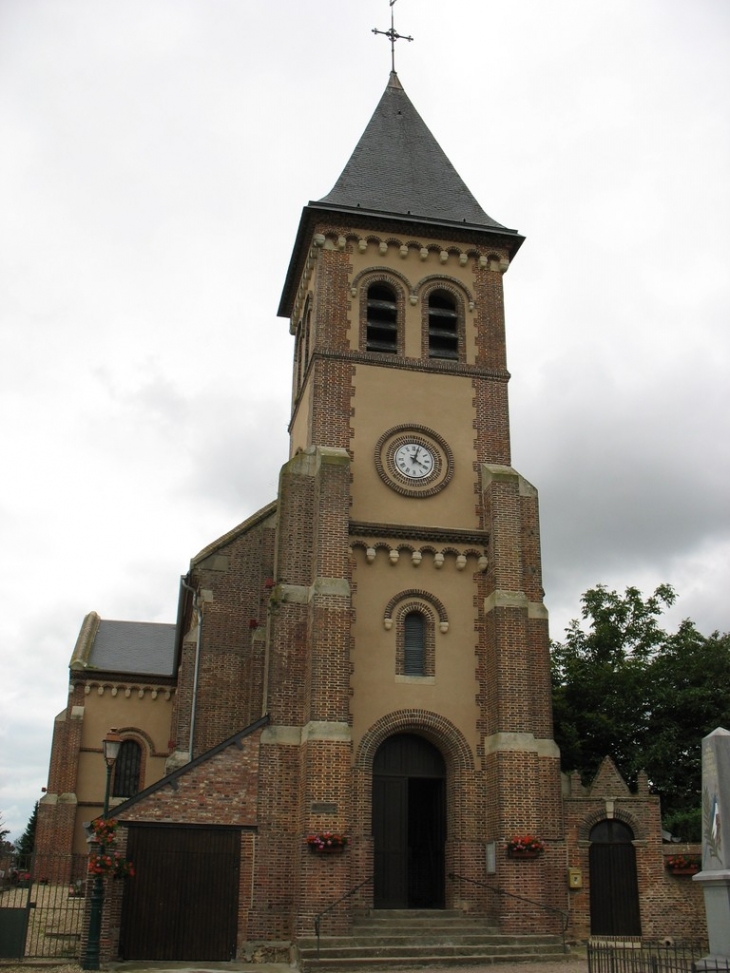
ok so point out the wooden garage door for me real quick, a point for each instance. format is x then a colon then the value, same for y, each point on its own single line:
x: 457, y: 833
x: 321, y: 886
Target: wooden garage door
x: 182, y: 903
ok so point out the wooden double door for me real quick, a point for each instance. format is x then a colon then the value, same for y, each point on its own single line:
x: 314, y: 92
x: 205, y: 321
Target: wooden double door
x: 182, y: 903
x: 613, y: 880
x: 409, y: 824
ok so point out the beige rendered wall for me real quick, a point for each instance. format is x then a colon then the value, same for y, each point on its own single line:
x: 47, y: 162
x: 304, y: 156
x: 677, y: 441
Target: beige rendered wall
x: 386, y: 397
x: 139, y: 717
x: 376, y: 689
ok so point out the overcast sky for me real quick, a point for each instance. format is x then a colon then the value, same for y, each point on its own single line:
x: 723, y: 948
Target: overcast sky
x: 155, y: 158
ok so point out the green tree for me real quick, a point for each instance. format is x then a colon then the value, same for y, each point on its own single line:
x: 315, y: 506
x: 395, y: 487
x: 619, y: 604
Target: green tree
x: 25, y: 845
x: 690, y: 695
x: 4, y: 832
x: 625, y: 687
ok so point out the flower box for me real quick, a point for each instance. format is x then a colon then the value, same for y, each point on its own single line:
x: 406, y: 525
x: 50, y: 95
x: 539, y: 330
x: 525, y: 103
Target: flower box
x: 683, y: 864
x: 326, y: 843
x: 524, y: 846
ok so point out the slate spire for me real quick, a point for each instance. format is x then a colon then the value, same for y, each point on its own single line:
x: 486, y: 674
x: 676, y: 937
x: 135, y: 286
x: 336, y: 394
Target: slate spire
x: 399, y: 169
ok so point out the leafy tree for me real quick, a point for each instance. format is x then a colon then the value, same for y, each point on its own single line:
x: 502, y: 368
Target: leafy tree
x: 627, y: 688
x: 4, y: 832
x: 25, y: 845
x: 690, y: 691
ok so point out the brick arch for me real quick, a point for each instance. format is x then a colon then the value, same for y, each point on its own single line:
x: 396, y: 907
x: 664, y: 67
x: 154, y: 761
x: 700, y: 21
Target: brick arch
x: 619, y: 814
x: 135, y: 733
x: 401, y: 287
x: 435, y: 728
x: 420, y: 595
x: 443, y: 282
x: 386, y: 275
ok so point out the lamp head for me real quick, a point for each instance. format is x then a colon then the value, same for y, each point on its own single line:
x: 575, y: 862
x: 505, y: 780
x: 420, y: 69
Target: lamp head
x: 111, y: 743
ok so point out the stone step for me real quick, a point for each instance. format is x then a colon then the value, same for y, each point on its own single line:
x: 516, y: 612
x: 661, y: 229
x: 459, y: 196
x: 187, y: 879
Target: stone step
x: 420, y: 961
x: 414, y: 914
x: 401, y: 938
x: 492, y: 940
x: 459, y: 927
x: 423, y: 922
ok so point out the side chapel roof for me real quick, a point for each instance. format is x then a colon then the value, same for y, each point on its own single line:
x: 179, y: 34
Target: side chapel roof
x: 137, y: 648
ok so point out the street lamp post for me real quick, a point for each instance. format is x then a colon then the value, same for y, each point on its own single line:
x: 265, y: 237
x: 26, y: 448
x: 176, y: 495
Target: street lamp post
x: 111, y: 744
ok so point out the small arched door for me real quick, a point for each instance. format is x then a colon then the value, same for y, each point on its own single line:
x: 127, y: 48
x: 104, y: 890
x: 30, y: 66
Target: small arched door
x: 409, y: 824
x: 614, y: 887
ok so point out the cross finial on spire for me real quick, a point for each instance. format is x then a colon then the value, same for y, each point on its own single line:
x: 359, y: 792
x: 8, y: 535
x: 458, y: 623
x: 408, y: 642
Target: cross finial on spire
x: 393, y: 35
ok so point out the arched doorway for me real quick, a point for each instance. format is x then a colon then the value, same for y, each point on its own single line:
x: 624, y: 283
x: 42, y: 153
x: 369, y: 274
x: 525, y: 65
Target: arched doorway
x: 409, y: 823
x: 614, y: 887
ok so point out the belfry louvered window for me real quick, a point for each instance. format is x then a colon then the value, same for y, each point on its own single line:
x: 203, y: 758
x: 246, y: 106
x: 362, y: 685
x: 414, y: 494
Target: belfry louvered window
x: 127, y: 769
x: 443, y: 326
x: 382, y: 319
x: 414, y: 644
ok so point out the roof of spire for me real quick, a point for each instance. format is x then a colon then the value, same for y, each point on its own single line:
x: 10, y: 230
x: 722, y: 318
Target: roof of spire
x: 398, y: 171
x: 398, y: 168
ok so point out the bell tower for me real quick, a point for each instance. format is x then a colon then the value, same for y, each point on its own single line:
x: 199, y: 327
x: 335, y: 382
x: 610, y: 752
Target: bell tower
x: 425, y: 616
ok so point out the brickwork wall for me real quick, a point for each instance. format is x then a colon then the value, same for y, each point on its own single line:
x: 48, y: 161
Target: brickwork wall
x: 278, y: 845
x: 223, y: 790
x: 521, y: 782
x: 670, y: 906
x: 57, y: 808
x: 230, y: 677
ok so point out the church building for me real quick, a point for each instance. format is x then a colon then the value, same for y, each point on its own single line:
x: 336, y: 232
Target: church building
x: 367, y: 657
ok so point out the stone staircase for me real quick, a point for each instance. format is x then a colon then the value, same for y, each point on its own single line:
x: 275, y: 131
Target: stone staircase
x: 421, y: 938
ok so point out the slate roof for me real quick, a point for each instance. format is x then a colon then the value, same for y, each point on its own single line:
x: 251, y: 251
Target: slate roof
x: 398, y: 172
x: 142, y: 648
x: 398, y: 168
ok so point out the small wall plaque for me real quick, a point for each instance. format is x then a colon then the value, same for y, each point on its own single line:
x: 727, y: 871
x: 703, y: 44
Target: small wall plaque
x: 324, y: 808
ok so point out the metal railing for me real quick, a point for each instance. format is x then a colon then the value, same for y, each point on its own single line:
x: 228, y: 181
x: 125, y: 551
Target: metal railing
x: 616, y: 954
x: 318, y: 917
x: 42, y: 907
x: 512, y: 895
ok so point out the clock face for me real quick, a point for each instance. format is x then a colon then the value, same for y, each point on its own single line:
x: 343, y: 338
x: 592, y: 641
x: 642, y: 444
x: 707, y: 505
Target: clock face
x: 414, y: 460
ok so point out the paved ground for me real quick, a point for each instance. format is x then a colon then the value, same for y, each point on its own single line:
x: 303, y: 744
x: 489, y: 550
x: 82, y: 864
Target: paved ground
x: 574, y: 963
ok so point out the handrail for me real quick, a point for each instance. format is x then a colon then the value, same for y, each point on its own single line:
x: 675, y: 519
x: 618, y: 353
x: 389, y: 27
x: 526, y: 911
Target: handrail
x: 336, y: 903
x: 541, y: 905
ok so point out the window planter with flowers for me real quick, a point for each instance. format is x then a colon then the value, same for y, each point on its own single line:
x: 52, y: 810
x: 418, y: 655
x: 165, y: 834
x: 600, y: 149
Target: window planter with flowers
x: 524, y: 846
x: 684, y: 864
x: 327, y: 842
x: 104, y: 860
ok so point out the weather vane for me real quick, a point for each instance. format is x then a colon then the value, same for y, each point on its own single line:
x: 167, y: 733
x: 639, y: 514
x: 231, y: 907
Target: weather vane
x: 393, y: 35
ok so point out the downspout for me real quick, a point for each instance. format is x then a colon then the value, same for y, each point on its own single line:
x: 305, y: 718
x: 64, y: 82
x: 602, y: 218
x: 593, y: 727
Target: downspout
x: 194, y: 704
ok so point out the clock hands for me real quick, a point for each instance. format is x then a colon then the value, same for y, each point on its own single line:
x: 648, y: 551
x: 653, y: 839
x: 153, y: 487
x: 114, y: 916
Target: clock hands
x: 415, y: 456
x: 414, y: 460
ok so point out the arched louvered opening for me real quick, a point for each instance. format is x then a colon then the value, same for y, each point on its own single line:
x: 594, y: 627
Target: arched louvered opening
x: 414, y: 644
x: 382, y: 319
x: 127, y: 770
x: 443, y: 326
